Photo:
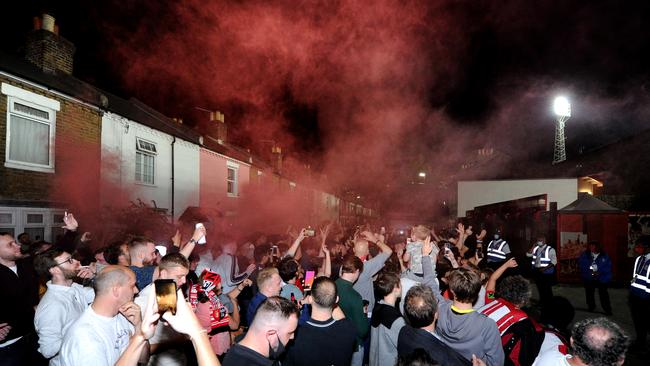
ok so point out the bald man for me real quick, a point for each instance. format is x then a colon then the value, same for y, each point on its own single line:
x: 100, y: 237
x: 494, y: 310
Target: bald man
x: 103, y: 331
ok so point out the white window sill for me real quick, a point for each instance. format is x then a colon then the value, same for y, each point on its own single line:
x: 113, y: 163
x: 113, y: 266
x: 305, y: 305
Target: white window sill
x: 35, y: 168
x: 233, y: 195
x: 145, y: 184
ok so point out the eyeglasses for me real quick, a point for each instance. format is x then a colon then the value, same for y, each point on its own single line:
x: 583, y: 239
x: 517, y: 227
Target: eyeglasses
x: 69, y: 260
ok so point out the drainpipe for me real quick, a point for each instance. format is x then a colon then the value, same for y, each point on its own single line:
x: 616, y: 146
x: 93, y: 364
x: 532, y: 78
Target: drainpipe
x: 172, y: 209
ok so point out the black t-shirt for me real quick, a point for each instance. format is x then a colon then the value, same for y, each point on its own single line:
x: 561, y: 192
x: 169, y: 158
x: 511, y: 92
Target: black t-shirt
x: 327, y: 343
x: 240, y: 355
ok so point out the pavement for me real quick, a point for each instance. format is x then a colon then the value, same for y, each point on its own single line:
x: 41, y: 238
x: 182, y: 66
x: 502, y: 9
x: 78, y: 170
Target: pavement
x: 620, y: 309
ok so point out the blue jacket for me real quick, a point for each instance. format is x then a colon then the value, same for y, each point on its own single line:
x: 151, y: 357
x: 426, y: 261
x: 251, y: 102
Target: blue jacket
x: 603, y: 262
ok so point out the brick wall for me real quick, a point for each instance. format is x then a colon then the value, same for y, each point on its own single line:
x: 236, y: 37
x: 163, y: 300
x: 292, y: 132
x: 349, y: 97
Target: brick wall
x: 49, y: 51
x: 77, y: 159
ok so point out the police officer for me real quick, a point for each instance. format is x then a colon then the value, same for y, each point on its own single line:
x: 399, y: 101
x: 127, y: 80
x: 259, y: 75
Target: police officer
x: 543, y: 262
x: 497, y: 251
x: 640, y: 292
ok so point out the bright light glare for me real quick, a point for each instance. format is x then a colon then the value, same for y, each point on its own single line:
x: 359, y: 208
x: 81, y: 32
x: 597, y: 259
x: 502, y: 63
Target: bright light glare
x: 422, y: 175
x: 562, y: 107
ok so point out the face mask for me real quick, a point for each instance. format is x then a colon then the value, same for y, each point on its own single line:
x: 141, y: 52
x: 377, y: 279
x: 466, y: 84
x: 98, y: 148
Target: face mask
x: 275, y: 354
x: 496, y: 236
x: 540, y: 243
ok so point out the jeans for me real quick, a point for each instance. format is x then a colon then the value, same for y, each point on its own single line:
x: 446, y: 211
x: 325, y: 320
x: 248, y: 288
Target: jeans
x: 357, y: 357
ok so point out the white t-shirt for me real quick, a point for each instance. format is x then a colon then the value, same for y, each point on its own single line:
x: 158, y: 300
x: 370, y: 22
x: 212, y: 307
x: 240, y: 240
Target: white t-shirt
x: 95, y: 340
x: 59, y: 308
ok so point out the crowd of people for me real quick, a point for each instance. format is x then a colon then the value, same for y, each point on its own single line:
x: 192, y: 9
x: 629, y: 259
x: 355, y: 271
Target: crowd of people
x: 332, y: 296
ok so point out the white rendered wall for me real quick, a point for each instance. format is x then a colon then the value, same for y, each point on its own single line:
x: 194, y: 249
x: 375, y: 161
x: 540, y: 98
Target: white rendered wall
x: 479, y: 193
x: 118, y: 166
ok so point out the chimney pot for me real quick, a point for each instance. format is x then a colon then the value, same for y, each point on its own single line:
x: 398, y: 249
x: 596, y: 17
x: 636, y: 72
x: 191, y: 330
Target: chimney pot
x: 48, y: 22
x: 37, y: 23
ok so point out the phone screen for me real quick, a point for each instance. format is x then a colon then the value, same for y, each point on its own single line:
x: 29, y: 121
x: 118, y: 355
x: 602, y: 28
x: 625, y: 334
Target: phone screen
x: 309, y: 279
x: 166, y: 296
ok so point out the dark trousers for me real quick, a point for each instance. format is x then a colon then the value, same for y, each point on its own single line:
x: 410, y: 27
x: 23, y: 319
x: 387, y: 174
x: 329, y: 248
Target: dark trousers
x: 590, y: 290
x: 544, y: 284
x: 639, y: 308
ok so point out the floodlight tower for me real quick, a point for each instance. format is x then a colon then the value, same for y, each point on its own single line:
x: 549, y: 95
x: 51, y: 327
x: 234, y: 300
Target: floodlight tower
x: 562, y: 109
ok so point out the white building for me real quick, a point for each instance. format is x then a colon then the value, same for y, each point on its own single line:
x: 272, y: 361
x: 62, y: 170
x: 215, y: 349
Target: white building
x: 155, y: 165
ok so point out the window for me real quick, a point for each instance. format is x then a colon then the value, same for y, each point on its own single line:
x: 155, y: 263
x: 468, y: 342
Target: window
x: 31, y: 125
x: 231, y: 179
x: 145, y: 161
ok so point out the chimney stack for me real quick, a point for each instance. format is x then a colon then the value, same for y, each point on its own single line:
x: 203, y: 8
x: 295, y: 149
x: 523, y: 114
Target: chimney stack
x: 46, y: 49
x: 218, y: 123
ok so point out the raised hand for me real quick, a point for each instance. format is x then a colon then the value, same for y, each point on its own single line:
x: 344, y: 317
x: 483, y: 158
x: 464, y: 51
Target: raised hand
x: 481, y: 235
x: 511, y: 263
x: 5, y: 328
x: 427, y: 246
x: 184, y: 321
x: 70, y: 222
x: 151, y: 316
x: 176, y: 239
x: 367, y: 235
x: 131, y: 312
x: 469, y: 231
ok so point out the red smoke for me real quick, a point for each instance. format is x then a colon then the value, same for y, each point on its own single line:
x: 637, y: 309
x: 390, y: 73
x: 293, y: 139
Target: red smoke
x: 365, y: 65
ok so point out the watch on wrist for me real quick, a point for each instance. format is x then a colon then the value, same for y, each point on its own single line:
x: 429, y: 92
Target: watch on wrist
x: 192, y: 241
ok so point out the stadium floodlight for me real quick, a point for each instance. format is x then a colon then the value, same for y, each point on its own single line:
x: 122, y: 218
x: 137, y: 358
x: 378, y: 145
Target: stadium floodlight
x: 562, y: 109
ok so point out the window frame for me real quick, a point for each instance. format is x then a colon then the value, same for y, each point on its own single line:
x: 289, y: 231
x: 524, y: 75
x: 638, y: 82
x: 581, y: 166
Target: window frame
x: 145, y: 152
x: 50, y: 122
x: 235, y: 181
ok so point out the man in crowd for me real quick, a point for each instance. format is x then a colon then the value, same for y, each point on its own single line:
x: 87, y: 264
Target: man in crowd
x: 227, y: 267
x: 363, y: 285
x: 166, y: 344
x: 520, y: 337
x: 269, y: 284
x: 269, y: 333
x: 18, y: 344
x: 64, y: 301
x: 103, y: 331
x: 117, y: 253
x: 640, y: 293
x: 351, y: 303
x: 594, y: 342
x: 386, y: 321
x: 420, y: 308
x: 289, y: 270
x: 460, y: 327
x: 142, y: 252
x: 596, y: 272
x: 543, y: 262
x: 323, y: 340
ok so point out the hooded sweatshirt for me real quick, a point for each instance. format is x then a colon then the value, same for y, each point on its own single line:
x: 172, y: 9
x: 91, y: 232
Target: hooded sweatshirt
x: 469, y: 333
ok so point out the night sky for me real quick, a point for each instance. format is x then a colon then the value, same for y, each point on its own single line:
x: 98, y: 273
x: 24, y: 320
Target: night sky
x: 401, y: 86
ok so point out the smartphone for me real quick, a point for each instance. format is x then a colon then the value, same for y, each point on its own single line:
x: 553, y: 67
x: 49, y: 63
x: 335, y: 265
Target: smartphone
x: 166, y: 296
x: 310, y: 232
x: 309, y: 279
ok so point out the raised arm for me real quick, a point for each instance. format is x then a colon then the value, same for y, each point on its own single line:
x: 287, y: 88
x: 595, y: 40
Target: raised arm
x: 291, y: 252
x: 494, y: 277
x: 199, y: 232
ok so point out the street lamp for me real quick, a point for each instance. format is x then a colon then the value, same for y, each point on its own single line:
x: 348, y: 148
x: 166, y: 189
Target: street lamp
x: 562, y: 109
